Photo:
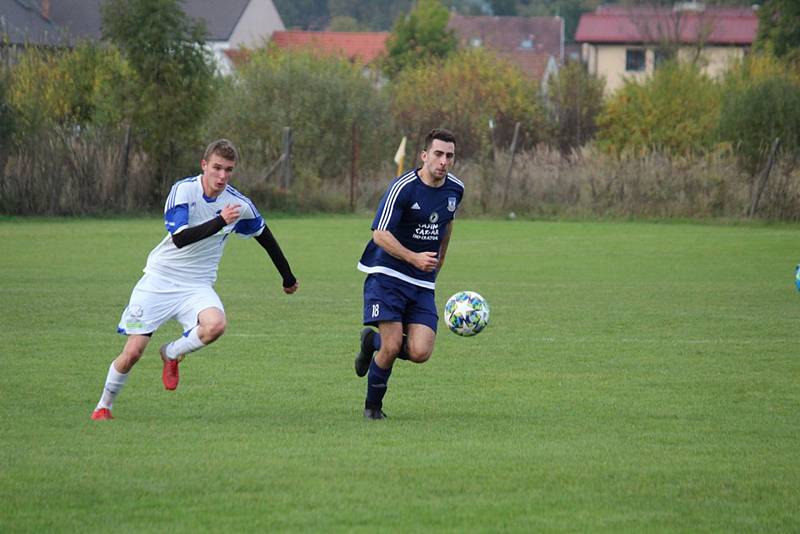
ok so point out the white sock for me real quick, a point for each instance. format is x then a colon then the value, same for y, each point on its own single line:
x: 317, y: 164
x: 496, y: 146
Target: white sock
x: 184, y: 345
x: 114, y: 382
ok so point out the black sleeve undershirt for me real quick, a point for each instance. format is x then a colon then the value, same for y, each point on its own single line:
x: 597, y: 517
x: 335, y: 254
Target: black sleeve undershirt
x: 267, y: 240
x: 193, y: 234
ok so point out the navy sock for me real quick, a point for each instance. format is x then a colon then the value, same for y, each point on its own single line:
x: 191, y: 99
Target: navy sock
x: 377, y: 382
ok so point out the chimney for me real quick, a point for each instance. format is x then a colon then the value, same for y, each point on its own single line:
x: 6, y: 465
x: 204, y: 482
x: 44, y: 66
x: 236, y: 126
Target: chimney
x: 46, y: 9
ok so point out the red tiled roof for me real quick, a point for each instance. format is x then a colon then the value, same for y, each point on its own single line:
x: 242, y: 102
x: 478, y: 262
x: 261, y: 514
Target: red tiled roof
x: 532, y: 64
x: 361, y: 46
x: 507, y: 33
x: 727, y: 26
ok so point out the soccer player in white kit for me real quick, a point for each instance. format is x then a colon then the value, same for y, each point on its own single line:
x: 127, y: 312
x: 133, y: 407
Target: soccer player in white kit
x: 200, y: 213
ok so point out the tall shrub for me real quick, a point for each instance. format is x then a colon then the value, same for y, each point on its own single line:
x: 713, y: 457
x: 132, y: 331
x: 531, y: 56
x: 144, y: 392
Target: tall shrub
x: 419, y: 37
x: 466, y: 92
x: 7, y: 120
x: 334, y: 110
x: 67, y: 154
x: 74, y: 88
x: 175, y: 83
x: 574, y: 99
x: 759, y: 105
x: 675, y: 111
x: 779, y: 29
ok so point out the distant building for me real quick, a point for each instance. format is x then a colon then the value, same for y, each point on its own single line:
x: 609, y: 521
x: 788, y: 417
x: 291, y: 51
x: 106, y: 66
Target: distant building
x: 629, y: 42
x: 534, y: 44
x: 230, y: 24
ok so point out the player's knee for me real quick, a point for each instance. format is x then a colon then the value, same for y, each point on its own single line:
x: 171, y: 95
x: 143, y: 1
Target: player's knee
x: 419, y: 355
x: 390, y: 347
x: 215, y: 329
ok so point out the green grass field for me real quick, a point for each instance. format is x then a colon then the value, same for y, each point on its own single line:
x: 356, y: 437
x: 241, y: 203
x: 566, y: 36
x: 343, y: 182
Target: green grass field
x: 634, y: 377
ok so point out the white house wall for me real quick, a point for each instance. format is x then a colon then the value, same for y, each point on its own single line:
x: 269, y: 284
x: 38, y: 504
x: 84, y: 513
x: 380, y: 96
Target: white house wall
x: 258, y: 21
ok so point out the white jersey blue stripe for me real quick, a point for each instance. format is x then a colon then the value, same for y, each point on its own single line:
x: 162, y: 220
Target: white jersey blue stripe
x: 186, y: 205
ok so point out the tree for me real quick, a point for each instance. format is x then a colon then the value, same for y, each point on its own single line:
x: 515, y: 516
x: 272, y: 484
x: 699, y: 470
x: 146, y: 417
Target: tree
x: 574, y: 98
x: 761, y: 102
x: 420, y: 36
x: 304, y: 14
x: 376, y: 15
x: 175, y: 82
x: 7, y: 121
x: 330, y: 105
x: 504, y: 8
x: 344, y: 24
x: 70, y: 88
x: 464, y: 92
x: 779, y: 29
x: 675, y: 111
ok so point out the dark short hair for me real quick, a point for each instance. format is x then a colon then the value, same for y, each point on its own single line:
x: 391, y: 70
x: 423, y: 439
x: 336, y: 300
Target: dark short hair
x: 441, y: 134
x: 222, y: 148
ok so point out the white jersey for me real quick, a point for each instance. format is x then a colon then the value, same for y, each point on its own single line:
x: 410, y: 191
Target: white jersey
x: 186, y: 205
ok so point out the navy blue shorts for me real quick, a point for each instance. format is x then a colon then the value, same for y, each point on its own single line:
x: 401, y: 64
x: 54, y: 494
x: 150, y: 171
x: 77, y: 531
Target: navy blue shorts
x: 389, y: 299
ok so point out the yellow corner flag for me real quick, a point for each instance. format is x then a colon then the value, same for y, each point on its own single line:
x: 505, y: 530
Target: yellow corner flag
x: 399, y: 155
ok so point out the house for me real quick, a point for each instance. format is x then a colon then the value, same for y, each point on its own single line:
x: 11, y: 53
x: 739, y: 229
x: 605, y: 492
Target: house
x: 629, y: 42
x: 360, y: 47
x: 230, y: 24
x: 234, y: 24
x: 534, y: 44
x: 21, y: 22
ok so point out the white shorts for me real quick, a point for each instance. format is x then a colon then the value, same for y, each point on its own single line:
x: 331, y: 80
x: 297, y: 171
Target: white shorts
x: 156, y: 300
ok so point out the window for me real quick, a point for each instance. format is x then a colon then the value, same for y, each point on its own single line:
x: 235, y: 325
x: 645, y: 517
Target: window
x: 662, y: 56
x: 634, y: 60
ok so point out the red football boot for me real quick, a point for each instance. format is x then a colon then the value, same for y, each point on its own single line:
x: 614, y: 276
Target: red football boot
x: 170, y: 373
x: 102, y: 414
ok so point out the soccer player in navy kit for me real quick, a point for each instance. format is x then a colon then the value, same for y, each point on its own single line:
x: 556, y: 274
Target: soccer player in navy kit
x: 200, y: 213
x: 410, y: 234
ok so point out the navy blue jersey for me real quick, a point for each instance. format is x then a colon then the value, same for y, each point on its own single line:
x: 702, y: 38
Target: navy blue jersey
x: 417, y: 215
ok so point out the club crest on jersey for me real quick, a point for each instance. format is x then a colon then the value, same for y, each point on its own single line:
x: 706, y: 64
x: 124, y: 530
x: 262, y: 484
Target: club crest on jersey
x: 434, y: 217
x: 451, y: 204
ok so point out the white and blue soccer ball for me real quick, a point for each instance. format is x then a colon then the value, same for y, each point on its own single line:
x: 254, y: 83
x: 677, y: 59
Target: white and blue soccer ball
x: 466, y: 313
x: 797, y: 277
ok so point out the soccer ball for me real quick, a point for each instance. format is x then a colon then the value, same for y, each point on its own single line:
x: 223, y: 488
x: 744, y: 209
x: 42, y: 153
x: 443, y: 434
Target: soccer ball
x: 466, y: 313
x: 797, y: 277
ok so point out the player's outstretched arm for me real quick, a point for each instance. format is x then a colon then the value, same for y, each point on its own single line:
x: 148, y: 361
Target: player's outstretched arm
x: 193, y: 234
x: 267, y: 240
x: 424, y: 261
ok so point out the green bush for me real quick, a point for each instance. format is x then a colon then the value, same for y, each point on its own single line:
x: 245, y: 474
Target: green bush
x: 7, y: 119
x: 574, y: 99
x: 675, y: 112
x: 74, y: 88
x: 174, y: 84
x: 326, y: 101
x: 464, y: 92
x: 755, y: 114
x: 419, y: 37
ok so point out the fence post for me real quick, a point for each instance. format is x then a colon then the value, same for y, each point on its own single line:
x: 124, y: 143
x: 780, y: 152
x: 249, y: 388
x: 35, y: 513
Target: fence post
x: 511, y: 163
x: 286, y: 164
x: 354, y: 166
x: 763, y: 184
